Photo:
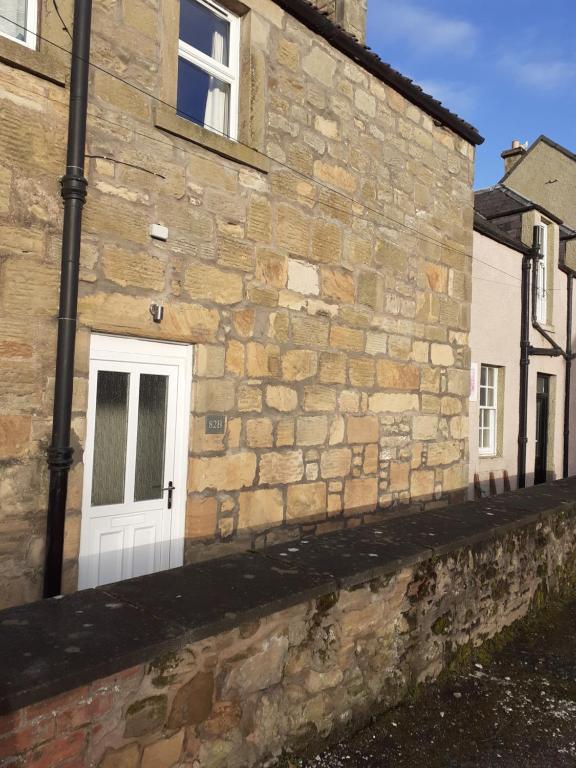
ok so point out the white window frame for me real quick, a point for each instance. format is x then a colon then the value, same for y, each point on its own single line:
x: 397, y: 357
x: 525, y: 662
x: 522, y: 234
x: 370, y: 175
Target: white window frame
x: 542, y: 278
x: 229, y: 74
x: 31, y: 27
x: 488, y: 414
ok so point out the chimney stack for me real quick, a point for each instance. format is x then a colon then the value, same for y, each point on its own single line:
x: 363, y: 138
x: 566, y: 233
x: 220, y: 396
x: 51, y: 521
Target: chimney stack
x: 513, y: 156
x: 348, y: 14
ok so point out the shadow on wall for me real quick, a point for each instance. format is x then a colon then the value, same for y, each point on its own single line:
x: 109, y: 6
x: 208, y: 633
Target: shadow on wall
x: 115, y: 565
x: 500, y: 482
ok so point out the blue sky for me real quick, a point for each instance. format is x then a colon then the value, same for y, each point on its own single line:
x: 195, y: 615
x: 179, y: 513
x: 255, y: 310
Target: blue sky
x: 500, y: 64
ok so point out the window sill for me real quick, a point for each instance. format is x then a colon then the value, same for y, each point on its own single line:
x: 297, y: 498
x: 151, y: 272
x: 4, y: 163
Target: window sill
x: 167, y: 120
x: 43, y: 64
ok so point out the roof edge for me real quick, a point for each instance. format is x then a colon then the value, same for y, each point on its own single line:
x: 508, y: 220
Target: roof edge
x: 344, y: 42
x: 484, y: 227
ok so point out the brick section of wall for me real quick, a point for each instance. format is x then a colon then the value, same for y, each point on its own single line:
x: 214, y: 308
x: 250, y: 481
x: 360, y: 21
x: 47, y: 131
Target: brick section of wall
x: 333, y: 337
x: 301, y: 675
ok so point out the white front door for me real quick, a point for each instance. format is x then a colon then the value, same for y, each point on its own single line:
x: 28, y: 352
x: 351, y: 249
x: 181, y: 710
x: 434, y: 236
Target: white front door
x: 134, y: 497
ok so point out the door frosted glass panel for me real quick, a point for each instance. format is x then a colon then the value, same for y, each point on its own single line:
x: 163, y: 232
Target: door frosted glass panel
x: 151, y: 440
x: 111, y: 427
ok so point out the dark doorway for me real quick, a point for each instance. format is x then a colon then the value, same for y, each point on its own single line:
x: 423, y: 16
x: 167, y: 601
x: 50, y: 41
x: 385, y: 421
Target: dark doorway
x: 542, y: 419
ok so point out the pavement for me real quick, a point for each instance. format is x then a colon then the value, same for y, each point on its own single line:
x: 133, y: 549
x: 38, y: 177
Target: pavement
x: 518, y: 710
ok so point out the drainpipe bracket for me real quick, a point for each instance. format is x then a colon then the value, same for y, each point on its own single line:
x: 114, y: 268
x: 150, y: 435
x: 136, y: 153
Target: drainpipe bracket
x: 74, y: 187
x: 60, y: 459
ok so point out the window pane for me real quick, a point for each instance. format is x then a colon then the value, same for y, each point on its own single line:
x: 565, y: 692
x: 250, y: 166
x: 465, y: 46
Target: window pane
x: 483, y: 376
x: 151, y: 441
x: 202, y: 98
x: 110, y: 432
x: 15, y: 17
x: 204, y: 30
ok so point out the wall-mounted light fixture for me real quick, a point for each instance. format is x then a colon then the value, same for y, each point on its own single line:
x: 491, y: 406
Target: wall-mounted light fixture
x: 157, y: 312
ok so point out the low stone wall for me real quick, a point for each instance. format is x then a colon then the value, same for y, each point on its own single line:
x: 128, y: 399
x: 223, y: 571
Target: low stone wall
x: 302, y: 674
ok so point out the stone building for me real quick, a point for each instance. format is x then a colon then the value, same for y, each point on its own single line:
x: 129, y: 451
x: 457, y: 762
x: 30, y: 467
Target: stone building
x: 274, y: 310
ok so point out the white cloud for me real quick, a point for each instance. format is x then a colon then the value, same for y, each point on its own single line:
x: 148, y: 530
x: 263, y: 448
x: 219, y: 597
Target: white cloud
x: 536, y: 71
x: 454, y: 96
x: 425, y: 31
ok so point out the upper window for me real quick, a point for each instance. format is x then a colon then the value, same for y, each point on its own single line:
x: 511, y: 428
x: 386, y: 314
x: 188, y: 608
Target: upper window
x: 488, y: 425
x: 208, y: 66
x: 542, y: 279
x: 18, y: 21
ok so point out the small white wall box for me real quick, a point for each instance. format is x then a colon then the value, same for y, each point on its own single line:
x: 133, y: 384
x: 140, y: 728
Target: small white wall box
x: 158, y: 232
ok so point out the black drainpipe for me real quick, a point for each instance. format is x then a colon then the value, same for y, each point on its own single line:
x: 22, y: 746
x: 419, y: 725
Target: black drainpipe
x: 568, y: 376
x: 524, y: 369
x: 73, y: 190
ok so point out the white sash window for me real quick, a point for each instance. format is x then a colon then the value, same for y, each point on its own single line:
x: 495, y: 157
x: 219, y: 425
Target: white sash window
x: 542, y: 279
x: 19, y: 21
x: 488, y: 424
x: 208, y: 66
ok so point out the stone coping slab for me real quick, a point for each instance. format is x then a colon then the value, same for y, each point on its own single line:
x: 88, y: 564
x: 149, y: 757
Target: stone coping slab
x: 54, y: 646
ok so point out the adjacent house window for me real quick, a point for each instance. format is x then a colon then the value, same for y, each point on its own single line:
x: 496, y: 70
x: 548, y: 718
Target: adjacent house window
x: 19, y: 20
x: 542, y: 279
x: 208, y: 66
x: 488, y: 425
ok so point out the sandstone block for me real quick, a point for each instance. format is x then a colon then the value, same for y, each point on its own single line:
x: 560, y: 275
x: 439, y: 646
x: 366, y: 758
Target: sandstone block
x: 442, y: 355
x: 399, y: 475
x: 311, y: 430
x: 303, y: 278
x: 213, y: 395
x: 360, y: 495
x: 318, y: 398
x: 337, y: 429
x: 281, y: 468
x: 446, y: 452
x: 421, y: 484
x: 335, y: 463
x: 283, y: 399
x: 332, y: 368
x: 129, y: 268
x: 361, y: 372
x: 249, y: 398
x: 362, y: 429
x: 285, y: 433
x: 209, y: 361
x: 259, y: 220
x: 306, y: 501
x: 293, y: 230
x: 222, y: 473
x: 262, y: 360
x: 206, y: 282
x: 393, y: 375
x: 14, y: 435
x: 299, y: 364
x: 347, y: 339
x: 259, y: 433
x: 164, y: 753
x: 371, y: 462
x: 243, y: 320
x: 393, y: 403
x: 235, y: 358
x: 201, y: 516
x: 260, y: 508
x: 326, y: 242
x: 193, y: 701
x: 310, y: 331
x: 425, y: 427
x: 337, y: 285
x: 271, y: 268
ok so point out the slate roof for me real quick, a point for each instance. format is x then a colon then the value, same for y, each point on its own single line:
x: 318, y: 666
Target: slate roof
x: 318, y: 22
x: 484, y: 227
x: 499, y: 200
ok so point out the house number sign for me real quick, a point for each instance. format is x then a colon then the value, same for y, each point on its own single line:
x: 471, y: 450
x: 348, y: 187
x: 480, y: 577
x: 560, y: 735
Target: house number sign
x: 215, y: 424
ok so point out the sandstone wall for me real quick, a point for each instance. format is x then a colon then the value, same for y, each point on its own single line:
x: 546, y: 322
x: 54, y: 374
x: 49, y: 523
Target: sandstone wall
x: 329, y: 324
x: 301, y: 675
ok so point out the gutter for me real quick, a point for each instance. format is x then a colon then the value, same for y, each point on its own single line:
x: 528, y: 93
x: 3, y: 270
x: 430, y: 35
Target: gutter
x: 73, y: 191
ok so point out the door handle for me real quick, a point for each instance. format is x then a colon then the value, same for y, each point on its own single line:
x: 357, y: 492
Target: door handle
x: 170, y: 490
